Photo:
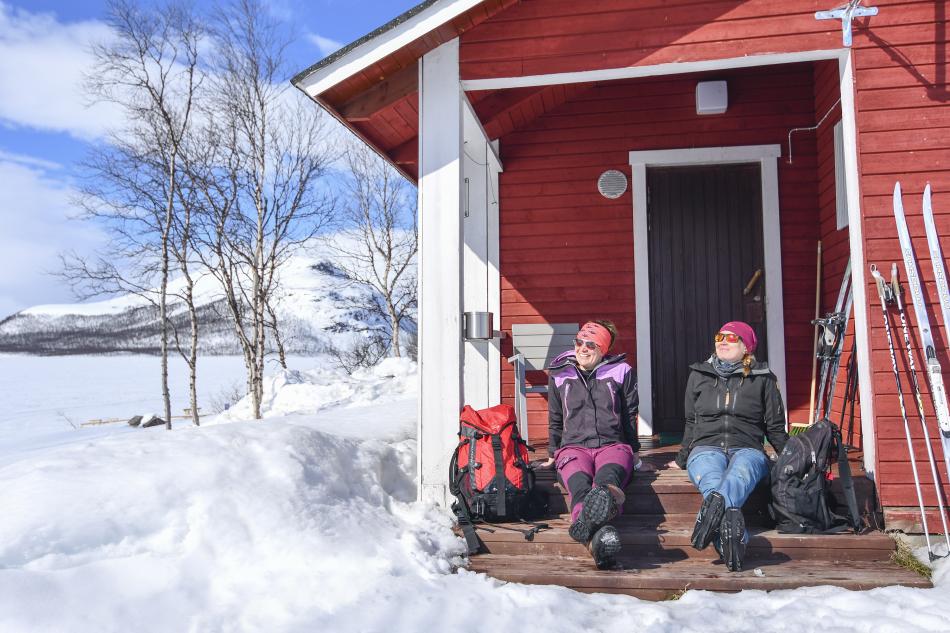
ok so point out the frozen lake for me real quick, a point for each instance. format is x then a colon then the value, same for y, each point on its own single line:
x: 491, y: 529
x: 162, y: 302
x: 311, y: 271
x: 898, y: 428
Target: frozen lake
x: 45, y: 397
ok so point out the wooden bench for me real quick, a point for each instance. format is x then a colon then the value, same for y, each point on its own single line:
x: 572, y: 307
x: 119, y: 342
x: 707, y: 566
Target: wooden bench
x: 535, y: 345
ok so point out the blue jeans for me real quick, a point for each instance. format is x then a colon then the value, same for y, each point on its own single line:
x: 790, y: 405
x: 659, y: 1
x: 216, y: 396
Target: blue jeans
x: 734, y: 474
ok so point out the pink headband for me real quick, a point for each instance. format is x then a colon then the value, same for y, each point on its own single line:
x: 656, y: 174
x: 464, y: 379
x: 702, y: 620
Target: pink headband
x: 591, y: 331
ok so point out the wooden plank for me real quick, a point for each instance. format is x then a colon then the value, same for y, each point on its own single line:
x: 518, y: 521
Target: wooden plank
x: 654, y: 574
x: 384, y: 94
x: 529, y: 329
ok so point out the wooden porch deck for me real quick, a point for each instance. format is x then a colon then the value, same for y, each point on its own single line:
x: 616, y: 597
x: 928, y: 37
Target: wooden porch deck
x: 658, y: 563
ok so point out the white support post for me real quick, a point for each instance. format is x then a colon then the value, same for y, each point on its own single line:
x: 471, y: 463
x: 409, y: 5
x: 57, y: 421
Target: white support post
x: 440, y: 266
x: 858, y: 263
x: 475, y: 255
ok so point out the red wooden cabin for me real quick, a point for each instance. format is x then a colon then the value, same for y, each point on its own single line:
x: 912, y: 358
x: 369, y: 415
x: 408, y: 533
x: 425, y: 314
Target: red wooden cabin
x: 508, y: 112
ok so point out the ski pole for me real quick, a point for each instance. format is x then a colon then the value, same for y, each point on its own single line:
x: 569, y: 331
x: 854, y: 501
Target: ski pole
x: 897, y: 291
x: 883, y: 293
x: 814, y: 351
x: 850, y: 393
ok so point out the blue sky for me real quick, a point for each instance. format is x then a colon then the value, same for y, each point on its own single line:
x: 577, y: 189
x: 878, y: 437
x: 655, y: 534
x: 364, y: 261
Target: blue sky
x: 46, y: 124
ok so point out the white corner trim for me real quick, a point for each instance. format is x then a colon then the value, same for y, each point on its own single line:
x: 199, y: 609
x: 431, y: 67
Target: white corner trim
x: 767, y: 157
x: 858, y: 262
x: 632, y: 72
x: 370, y: 52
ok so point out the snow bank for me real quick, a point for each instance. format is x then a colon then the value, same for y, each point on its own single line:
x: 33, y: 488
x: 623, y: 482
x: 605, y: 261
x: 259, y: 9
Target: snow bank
x: 306, y: 521
x: 259, y: 526
x: 293, y: 395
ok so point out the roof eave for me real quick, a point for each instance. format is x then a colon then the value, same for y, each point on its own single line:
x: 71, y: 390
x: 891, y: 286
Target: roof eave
x: 389, y: 38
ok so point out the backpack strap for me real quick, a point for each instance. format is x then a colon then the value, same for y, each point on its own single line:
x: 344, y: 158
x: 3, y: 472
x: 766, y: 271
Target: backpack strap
x: 465, y: 522
x: 528, y: 533
x: 500, y: 507
x: 460, y: 507
x: 847, y: 482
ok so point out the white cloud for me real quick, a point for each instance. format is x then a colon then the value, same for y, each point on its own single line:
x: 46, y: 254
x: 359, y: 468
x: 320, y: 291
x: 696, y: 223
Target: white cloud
x: 325, y: 45
x: 29, y: 161
x: 35, y: 211
x: 42, y: 62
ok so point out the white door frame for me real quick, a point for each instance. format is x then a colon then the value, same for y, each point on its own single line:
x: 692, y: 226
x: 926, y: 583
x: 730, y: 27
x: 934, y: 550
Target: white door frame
x: 766, y: 156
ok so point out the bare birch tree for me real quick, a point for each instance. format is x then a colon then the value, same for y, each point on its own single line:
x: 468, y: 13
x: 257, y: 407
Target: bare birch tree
x: 260, y: 180
x: 379, y: 239
x: 149, y: 68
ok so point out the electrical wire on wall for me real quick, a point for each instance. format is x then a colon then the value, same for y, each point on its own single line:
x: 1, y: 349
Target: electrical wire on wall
x: 808, y: 129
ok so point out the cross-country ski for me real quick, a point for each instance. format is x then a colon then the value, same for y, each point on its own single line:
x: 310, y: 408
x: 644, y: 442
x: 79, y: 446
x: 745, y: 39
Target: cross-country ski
x: 932, y: 365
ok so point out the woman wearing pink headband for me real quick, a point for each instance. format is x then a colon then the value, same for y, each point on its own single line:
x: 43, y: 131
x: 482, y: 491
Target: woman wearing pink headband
x: 732, y: 404
x: 592, y: 435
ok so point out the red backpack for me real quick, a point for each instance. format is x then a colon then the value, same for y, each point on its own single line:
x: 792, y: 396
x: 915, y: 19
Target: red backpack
x: 489, y: 472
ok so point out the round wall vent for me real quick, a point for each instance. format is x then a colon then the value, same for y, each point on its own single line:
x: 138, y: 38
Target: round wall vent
x: 612, y: 184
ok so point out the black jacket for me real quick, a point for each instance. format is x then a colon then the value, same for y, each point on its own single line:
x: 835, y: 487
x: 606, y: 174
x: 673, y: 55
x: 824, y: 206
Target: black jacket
x: 734, y: 412
x: 595, y: 411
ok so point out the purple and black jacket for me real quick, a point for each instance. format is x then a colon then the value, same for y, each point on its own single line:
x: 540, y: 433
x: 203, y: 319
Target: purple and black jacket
x: 595, y: 411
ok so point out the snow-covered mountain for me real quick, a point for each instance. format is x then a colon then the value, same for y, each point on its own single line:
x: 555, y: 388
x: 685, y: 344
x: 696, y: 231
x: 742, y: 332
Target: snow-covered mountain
x: 313, y: 308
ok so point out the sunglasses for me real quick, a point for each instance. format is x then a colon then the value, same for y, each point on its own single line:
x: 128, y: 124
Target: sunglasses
x: 728, y: 337
x: 591, y: 345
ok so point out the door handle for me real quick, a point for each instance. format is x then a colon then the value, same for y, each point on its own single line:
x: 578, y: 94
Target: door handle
x: 754, y: 280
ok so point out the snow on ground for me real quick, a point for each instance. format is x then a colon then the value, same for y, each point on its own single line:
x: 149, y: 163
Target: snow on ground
x: 306, y: 521
x: 45, y: 397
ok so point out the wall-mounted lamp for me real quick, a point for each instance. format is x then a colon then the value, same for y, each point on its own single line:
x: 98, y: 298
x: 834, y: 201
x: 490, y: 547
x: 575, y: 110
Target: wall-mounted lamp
x: 712, y: 97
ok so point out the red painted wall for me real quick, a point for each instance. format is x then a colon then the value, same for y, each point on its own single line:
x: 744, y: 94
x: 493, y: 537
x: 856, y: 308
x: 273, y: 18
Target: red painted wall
x: 567, y: 252
x: 903, y: 118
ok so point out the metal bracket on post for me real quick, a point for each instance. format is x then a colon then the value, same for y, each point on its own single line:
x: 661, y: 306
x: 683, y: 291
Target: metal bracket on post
x: 846, y: 14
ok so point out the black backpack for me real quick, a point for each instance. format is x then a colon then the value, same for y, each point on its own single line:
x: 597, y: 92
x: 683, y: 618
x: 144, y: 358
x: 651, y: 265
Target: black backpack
x: 800, y: 496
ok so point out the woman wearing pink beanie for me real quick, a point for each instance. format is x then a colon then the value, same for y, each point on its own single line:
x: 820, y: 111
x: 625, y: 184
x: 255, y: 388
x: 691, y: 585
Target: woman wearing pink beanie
x: 732, y: 404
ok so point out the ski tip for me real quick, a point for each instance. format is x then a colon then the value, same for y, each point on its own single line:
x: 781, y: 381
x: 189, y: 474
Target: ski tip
x: 927, y: 190
x: 897, y: 188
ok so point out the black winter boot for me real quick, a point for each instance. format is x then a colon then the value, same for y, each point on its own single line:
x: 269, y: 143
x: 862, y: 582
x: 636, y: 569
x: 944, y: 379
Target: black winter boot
x: 600, y: 506
x: 605, y: 546
x: 731, y: 532
x: 708, y: 520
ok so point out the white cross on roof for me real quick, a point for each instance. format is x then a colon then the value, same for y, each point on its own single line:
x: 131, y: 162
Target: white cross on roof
x: 846, y: 14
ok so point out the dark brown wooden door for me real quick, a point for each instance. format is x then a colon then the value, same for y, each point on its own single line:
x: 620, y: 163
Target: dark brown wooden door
x: 705, y: 246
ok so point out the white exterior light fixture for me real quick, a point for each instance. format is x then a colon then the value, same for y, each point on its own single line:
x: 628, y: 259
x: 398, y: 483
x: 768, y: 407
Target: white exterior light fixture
x: 712, y: 97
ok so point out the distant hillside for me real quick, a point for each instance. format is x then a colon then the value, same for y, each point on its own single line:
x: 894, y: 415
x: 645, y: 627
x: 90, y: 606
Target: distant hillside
x: 312, y: 309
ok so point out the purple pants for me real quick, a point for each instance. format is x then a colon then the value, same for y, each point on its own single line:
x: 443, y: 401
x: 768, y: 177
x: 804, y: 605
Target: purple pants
x: 579, y: 469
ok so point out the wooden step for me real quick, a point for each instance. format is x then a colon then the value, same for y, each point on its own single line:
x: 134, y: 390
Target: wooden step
x: 664, y: 492
x: 653, y: 578
x: 669, y: 491
x: 662, y: 537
